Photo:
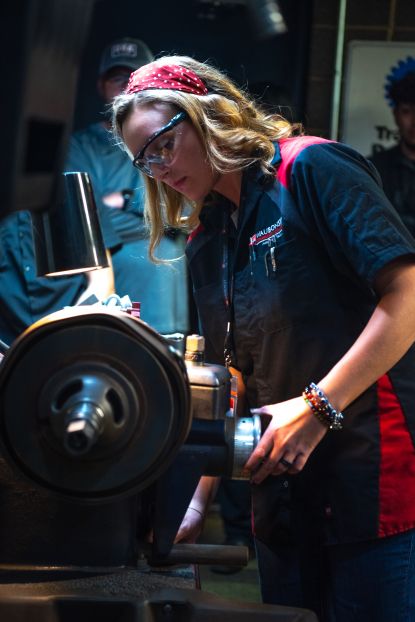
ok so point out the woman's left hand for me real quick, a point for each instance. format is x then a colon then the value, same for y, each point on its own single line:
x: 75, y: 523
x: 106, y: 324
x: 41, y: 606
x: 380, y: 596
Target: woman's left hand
x: 288, y: 441
x: 191, y: 527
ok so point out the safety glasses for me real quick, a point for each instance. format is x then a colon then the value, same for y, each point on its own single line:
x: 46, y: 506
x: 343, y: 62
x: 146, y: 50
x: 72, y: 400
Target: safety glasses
x: 159, y: 150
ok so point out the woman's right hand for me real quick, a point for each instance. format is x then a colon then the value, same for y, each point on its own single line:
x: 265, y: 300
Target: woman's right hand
x: 291, y: 436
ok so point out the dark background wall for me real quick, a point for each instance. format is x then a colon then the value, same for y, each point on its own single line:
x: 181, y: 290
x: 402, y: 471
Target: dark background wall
x: 301, y: 62
x: 376, y: 20
x: 230, y: 39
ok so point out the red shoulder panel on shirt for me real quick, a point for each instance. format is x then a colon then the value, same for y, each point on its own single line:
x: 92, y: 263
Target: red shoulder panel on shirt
x: 194, y: 233
x: 290, y: 148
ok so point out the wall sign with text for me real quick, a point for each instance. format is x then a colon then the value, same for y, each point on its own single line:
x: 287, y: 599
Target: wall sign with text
x: 367, y: 121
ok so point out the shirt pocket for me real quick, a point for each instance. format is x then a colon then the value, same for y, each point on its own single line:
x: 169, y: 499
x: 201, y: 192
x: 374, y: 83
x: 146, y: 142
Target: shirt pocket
x: 284, y: 289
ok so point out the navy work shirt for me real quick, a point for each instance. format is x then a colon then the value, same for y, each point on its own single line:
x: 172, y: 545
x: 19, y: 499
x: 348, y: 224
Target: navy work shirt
x: 305, y: 254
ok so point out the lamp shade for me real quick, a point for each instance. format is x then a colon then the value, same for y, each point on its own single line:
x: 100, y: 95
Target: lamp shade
x: 68, y: 237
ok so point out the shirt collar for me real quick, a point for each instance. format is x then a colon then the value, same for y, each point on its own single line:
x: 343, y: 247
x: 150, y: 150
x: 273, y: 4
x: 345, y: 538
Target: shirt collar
x: 254, y: 182
x: 252, y: 188
x: 277, y: 155
x: 255, y: 172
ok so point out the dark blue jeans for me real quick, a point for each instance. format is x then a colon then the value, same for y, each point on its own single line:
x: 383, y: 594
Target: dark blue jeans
x: 357, y: 582
x: 234, y: 498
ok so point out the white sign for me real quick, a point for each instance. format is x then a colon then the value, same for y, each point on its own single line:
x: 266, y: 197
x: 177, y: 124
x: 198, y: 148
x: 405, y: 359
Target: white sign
x: 367, y: 120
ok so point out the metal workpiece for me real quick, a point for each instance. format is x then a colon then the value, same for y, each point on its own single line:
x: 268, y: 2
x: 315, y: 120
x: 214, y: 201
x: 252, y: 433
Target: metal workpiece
x: 244, y: 434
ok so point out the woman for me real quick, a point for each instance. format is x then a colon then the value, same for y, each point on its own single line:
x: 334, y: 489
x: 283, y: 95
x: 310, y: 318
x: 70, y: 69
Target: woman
x: 304, y: 278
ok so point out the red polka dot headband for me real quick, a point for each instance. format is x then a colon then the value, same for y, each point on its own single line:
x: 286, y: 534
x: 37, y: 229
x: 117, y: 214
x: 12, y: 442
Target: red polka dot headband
x: 174, y: 77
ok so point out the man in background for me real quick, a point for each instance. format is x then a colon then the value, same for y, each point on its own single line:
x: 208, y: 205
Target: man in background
x: 119, y: 194
x: 397, y: 164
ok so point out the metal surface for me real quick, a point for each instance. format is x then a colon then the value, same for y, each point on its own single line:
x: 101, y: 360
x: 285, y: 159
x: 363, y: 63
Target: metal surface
x: 246, y: 433
x: 210, y: 390
x: 169, y: 605
x: 67, y: 237
x: 182, y: 553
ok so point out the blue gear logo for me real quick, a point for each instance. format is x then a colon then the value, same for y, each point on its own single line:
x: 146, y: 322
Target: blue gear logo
x: 398, y: 72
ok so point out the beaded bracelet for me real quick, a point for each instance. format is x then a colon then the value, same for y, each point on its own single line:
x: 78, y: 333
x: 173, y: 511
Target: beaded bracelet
x: 318, y: 401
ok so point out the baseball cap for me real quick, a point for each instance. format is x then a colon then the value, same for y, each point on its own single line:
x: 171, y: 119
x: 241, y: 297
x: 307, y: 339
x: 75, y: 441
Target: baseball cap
x: 126, y: 52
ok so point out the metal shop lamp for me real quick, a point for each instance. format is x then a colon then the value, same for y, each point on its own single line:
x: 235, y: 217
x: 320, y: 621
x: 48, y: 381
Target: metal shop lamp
x: 67, y: 238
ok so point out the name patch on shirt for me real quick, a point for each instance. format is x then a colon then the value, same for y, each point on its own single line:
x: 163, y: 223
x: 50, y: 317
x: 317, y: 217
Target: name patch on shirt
x: 267, y: 235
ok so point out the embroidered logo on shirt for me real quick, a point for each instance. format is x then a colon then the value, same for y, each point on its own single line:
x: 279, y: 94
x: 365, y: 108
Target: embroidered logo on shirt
x: 267, y: 235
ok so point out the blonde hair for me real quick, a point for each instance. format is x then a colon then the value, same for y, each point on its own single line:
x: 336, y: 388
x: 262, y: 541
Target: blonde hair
x: 234, y: 130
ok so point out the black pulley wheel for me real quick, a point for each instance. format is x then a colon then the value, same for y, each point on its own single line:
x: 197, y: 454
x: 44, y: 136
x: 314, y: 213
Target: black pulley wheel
x: 94, y: 404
